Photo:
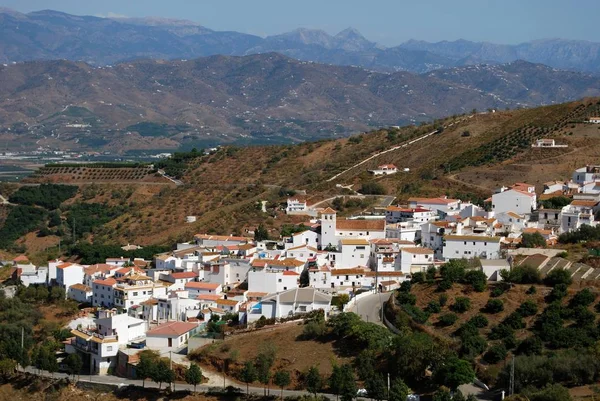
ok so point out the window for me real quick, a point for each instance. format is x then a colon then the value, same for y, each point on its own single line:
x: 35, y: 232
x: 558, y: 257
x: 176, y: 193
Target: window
x: 135, y: 294
x: 109, y: 348
x: 485, y: 244
x: 279, y: 280
x: 465, y: 243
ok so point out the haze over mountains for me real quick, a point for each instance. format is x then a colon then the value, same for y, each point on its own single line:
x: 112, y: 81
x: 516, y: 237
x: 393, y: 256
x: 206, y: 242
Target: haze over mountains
x: 101, y: 41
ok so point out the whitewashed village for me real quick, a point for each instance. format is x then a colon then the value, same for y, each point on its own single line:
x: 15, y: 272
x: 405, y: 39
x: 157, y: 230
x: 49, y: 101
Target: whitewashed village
x: 166, y: 304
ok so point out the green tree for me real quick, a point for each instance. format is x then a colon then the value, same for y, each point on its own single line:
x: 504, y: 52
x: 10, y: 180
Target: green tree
x: 74, y: 364
x: 376, y: 387
x: 304, y: 278
x: 162, y: 373
x: 193, y: 375
x: 312, y: 380
x: 335, y: 380
x: 453, y: 372
x: 282, y: 379
x: 442, y: 394
x: 454, y: 270
x: 558, y: 276
x: 264, y: 362
x: 372, y: 188
x: 398, y: 391
x: 493, y: 306
x: 145, y: 367
x: 461, y: 304
x: 261, y: 233
x: 348, y: 384
x: 248, y: 375
x: 535, y: 240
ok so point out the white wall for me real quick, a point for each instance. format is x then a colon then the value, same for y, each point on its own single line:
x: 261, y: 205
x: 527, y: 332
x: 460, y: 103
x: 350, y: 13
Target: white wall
x: 469, y: 248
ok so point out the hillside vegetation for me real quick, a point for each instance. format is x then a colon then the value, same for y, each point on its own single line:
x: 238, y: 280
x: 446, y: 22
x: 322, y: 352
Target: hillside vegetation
x: 223, y: 189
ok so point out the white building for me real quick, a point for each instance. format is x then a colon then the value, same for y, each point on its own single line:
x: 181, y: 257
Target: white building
x: 103, y: 292
x: 586, y: 175
x: 514, y: 200
x: 334, y: 230
x: 432, y: 236
x: 272, y: 281
x: 578, y: 213
x: 308, y: 237
x: 171, y: 335
x: 68, y: 274
x: 416, y: 259
x: 199, y: 288
x: 301, y: 253
x: 471, y: 246
x: 296, y: 205
x: 395, y: 214
x: 493, y: 267
x: 547, y: 143
x: 80, y: 293
x: 208, y: 240
x: 289, y: 303
x: 133, y: 290
x: 102, y: 343
x: 354, y: 252
x: 384, y: 169
x: 443, y: 206
x: 594, y: 120
x: 405, y: 231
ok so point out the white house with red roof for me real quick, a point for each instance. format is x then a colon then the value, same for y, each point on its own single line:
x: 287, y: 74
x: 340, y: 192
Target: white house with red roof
x: 80, y: 293
x: 442, y: 205
x: 578, y: 213
x: 171, y: 335
x: 27, y: 272
x: 384, y: 169
x: 68, y: 274
x: 471, y: 246
x: 301, y: 253
x: 98, y: 272
x: 196, y: 288
x: 307, y: 237
x: 333, y: 230
x: 265, y: 279
x: 520, y: 199
x: 103, y: 293
x: 178, y: 280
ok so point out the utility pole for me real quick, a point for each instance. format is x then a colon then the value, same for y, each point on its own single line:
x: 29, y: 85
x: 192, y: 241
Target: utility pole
x: 171, y: 365
x: 388, y: 386
x: 22, y: 345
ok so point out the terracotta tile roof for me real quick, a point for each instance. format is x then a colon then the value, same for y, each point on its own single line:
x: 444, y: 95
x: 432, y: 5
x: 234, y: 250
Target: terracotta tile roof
x: 522, y: 192
x: 64, y: 265
x: 81, y: 287
x: 184, y: 275
x: 151, y: 301
x: 171, y: 329
x: 407, y: 210
x: 290, y: 273
x: 388, y: 282
x: 227, y: 302
x: 418, y: 251
x: 99, y: 268
x: 289, y: 262
x: 386, y: 166
x: 328, y: 211
x: 163, y: 257
x: 375, y: 225
x: 202, y: 285
x: 584, y: 203
x: 21, y: 258
x: 208, y: 297
x: 385, y: 274
x: 108, y: 282
x: 135, y: 269
x: 357, y: 241
x: 348, y: 272
x: 256, y: 294
x: 515, y: 215
x: 537, y: 230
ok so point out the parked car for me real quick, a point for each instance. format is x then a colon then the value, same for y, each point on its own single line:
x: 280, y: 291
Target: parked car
x: 362, y: 392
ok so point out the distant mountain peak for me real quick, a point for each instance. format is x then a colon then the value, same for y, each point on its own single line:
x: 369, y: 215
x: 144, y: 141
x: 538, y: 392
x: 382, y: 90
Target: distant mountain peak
x: 350, y: 33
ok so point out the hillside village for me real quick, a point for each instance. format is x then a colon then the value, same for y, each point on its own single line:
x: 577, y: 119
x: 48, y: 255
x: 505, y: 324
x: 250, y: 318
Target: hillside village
x: 166, y: 304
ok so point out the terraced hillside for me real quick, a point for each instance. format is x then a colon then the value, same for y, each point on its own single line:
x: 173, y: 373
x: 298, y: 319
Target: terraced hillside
x: 95, y: 173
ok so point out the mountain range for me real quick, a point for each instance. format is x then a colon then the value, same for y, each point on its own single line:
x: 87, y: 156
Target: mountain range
x: 264, y: 98
x: 103, y: 41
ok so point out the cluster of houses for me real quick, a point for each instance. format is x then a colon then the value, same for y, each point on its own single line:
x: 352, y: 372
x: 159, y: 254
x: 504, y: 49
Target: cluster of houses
x: 163, y: 303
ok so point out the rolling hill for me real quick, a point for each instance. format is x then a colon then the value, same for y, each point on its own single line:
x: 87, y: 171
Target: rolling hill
x: 469, y: 159
x: 258, y: 99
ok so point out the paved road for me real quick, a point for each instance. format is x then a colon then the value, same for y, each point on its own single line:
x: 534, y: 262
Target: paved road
x: 369, y: 307
x: 119, y: 381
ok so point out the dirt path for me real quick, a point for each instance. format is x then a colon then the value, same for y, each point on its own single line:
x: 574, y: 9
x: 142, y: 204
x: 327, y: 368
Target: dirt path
x: 452, y: 177
x: 404, y: 145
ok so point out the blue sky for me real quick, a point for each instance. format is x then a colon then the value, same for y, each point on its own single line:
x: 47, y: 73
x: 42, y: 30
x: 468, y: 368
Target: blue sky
x: 389, y: 22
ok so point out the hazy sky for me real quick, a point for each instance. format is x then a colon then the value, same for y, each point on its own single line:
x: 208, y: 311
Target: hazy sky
x: 389, y: 22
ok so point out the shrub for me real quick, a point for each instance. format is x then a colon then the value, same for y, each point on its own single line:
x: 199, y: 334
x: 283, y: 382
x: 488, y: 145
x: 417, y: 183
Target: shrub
x: 531, y: 290
x: 558, y: 292
x: 433, y: 307
x: 523, y: 274
x: 493, y: 306
x: 479, y: 321
x: 477, y: 279
x: 500, y: 332
x: 535, y: 240
x: 514, y: 321
x: 444, y: 285
x: 584, y: 297
x: 530, y: 346
x: 417, y: 314
x: 417, y: 278
x: 528, y: 308
x: 443, y: 300
x: 558, y: 276
x: 372, y: 188
x: 447, y: 319
x: 461, y: 305
x: 495, y: 354
x: 406, y: 298
x: 454, y: 270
